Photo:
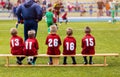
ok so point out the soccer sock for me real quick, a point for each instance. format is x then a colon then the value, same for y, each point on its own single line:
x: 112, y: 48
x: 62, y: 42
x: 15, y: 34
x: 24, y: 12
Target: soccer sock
x: 64, y: 61
x: 34, y: 59
x: 66, y: 21
x: 90, y: 59
x: 17, y: 25
x: 18, y: 58
x: 85, y: 59
x: 73, y: 59
x: 22, y: 58
x: 50, y: 58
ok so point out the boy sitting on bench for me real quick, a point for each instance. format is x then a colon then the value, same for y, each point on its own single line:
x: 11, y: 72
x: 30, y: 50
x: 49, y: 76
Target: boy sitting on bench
x: 16, y: 44
x: 88, y: 44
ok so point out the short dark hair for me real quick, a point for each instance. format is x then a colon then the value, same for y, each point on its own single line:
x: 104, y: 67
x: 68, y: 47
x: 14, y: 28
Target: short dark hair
x: 69, y: 31
x: 87, y: 29
x: 31, y: 33
x: 13, y: 31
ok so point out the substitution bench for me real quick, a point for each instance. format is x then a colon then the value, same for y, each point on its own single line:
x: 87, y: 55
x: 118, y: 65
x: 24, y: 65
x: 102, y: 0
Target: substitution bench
x: 57, y: 57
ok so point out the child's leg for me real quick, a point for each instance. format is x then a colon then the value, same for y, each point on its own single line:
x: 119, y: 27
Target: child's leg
x: 19, y: 60
x: 51, y: 62
x: 113, y: 15
x: 17, y: 24
x: 49, y: 24
x: 65, y: 60
x: 85, y: 59
x: 34, y: 60
x: 90, y: 60
x: 73, y: 59
x: 116, y: 12
x: 58, y: 18
x: 66, y: 21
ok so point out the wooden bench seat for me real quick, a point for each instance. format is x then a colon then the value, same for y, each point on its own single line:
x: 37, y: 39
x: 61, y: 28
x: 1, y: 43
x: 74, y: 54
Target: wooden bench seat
x: 43, y: 65
x: 56, y: 59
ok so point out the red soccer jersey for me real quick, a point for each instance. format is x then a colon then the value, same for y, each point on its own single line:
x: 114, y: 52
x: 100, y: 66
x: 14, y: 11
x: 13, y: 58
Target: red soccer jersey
x: 54, y: 20
x: 31, y: 47
x: 54, y: 17
x: 69, y: 46
x: 53, y: 42
x: 17, y: 45
x: 88, y: 44
x: 64, y: 16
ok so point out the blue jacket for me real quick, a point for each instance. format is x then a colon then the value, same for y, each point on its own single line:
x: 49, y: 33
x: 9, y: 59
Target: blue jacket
x: 29, y: 10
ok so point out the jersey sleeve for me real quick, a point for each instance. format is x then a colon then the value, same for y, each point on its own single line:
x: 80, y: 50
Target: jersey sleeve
x: 22, y: 43
x: 36, y: 44
x: 59, y: 40
x: 75, y: 43
x: 63, y: 43
x: 46, y: 42
x: 82, y: 43
x: 10, y: 42
x: 94, y: 41
x: 18, y: 13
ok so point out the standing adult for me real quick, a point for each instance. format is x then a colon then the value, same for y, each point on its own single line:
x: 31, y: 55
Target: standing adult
x: 100, y: 5
x: 57, y: 6
x: 31, y: 13
x: 107, y: 7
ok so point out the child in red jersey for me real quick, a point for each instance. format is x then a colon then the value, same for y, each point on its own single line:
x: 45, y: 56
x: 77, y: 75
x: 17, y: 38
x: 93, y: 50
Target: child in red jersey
x: 64, y: 17
x: 31, y: 46
x: 55, y: 18
x: 88, y: 45
x: 53, y: 42
x: 16, y: 44
x: 69, y: 46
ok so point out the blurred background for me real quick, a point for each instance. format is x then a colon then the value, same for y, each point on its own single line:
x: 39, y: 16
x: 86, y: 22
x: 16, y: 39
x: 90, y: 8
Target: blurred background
x: 75, y: 8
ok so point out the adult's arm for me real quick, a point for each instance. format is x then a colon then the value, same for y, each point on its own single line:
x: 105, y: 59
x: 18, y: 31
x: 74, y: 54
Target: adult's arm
x: 39, y: 12
x: 18, y: 13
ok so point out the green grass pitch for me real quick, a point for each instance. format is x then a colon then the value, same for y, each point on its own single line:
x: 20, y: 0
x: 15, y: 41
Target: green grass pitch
x: 107, y: 41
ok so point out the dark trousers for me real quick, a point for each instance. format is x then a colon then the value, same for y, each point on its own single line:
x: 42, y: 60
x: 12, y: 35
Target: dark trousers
x: 20, y: 59
x: 34, y: 59
x: 50, y: 58
x: 30, y: 25
x: 86, y: 61
x: 65, y: 60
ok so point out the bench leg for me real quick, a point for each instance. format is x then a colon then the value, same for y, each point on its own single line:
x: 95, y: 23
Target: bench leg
x: 105, y: 61
x: 55, y: 60
x: 7, y: 61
